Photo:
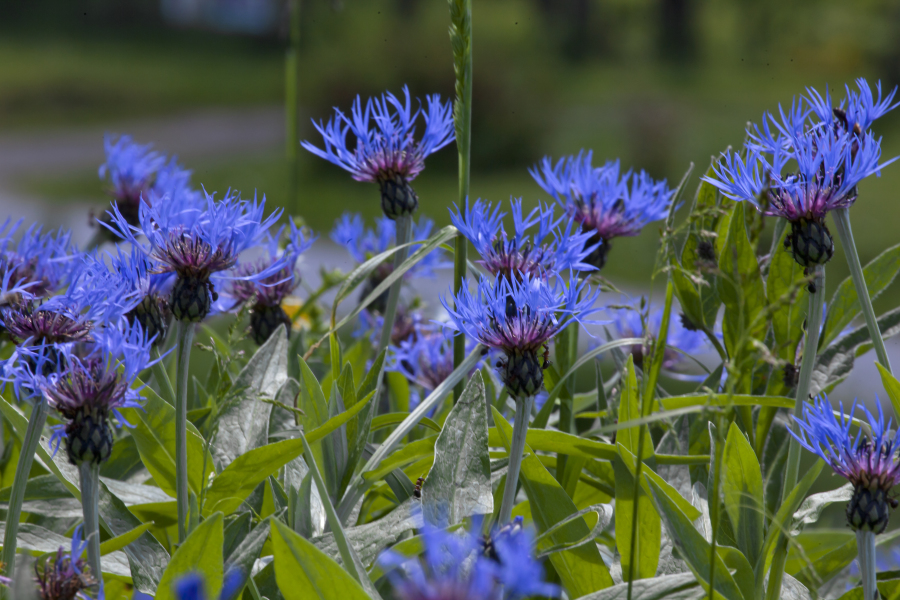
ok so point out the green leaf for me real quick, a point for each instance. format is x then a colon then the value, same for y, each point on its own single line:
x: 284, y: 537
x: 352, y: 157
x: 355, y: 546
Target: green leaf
x: 835, y: 362
x: 785, y: 280
x: 154, y: 433
x: 459, y: 483
x: 401, y: 457
x: 629, y: 410
x: 649, y: 526
x: 892, y: 387
x: 741, y: 287
x: 245, y: 555
x: 240, y: 478
x: 647, y: 473
x: 815, y: 557
x: 358, y: 429
x: 391, y: 419
x: 303, y: 571
x: 581, y: 569
x: 811, y: 508
x: 742, y: 486
x: 693, y: 547
x: 844, y: 305
x: 244, y: 422
x: 200, y: 553
x: 676, y: 402
x: 120, y: 541
x: 668, y: 587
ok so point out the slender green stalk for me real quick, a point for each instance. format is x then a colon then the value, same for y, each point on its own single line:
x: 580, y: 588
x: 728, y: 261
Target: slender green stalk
x: 865, y: 545
x: 842, y: 220
x: 791, y: 471
x: 404, y: 230
x: 185, y: 336
x: 292, y: 104
x: 461, y: 39
x: 713, y: 502
x: 635, y: 537
x: 17, y: 494
x: 90, y: 496
x: 516, y: 450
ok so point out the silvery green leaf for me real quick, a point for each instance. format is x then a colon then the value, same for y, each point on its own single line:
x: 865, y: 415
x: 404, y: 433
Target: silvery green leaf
x: 309, y: 505
x: 811, y: 508
x: 42, y: 487
x: 282, y: 420
x: 132, y: 494
x: 668, y: 587
x: 459, y: 483
x: 236, y: 529
x: 245, y: 555
x: 791, y: 589
x: 37, y: 540
x: 243, y: 423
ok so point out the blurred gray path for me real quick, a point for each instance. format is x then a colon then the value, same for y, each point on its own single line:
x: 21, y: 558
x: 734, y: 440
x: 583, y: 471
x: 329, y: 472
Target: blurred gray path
x: 220, y: 133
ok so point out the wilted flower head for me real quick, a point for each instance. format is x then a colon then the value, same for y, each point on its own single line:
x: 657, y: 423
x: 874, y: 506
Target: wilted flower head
x: 454, y: 567
x: 601, y: 200
x: 868, y: 461
x: 196, y: 244
x: 364, y: 243
x: 635, y: 322
x: 66, y: 576
x: 541, y: 253
x: 384, y: 149
x: 137, y: 175
x: 805, y: 164
x: 44, y: 262
x: 519, y: 317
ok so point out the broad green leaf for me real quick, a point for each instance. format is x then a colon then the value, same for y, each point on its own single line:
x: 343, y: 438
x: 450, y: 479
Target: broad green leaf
x: 391, y: 419
x: 834, y: 363
x: 303, y: 571
x: 811, y: 508
x: 459, y: 483
x: 358, y: 429
x: 245, y: 555
x: 549, y: 440
x: 693, y: 548
x: 154, y: 433
x: 676, y: 402
x: 648, y: 525
x: 240, y: 478
x: 892, y: 387
x: 200, y: 553
x: 784, y: 289
x: 741, y: 288
x: 401, y: 457
x: 120, y: 541
x: 244, y: 420
x: 814, y: 557
x: 844, y: 305
x: 630, y: 410
x: 668, y: 587
x: 742, y: 486
x: 581, y: 569
x: 647, y: 473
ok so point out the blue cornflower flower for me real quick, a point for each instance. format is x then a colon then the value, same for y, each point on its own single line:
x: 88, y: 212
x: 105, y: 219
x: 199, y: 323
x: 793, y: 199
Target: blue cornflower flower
x: 87, y: 384
x: 267, y: 294
x: 362, y: 244
x: 868, y: 461
x: 601, y: 201
x: 542, y: 253
x: 196, y: 244
x: 633, y: 321
x: 455, y: 566
x: 425, y: 357
x: 519, y: 317
x: 193, y: 587
x: 407, y: 321
x: 856, y: 112
x: 137, y: 174
x: 385, y: 150
x: 801, y: 168
x: 42, y: 261
x: 66, y: 575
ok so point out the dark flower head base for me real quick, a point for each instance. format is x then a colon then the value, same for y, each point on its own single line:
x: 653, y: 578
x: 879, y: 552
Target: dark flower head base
x: 65, y: 575
x: 196, y: 244
x: 31, y: 323
x: 519, y: 318
x: 541, y: 253
x: 602, y: 202
x: 869, y: 462
x: 806, y: 164
x: 385, y: 150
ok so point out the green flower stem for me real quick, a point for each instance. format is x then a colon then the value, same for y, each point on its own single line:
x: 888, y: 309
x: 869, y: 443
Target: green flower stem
x: 185, y: 336
x: 516, y: 449
x: 461, y: 40
x: 404, y: 229
x: 791, y: 471
x: 292, y: 103
x: 90, y: 495
x: 842, y: 221
x: 865, y: 547
x: 17, y: 494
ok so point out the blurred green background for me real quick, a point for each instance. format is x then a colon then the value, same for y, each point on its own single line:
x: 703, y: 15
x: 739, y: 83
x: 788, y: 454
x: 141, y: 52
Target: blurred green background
x: 657, y: 83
